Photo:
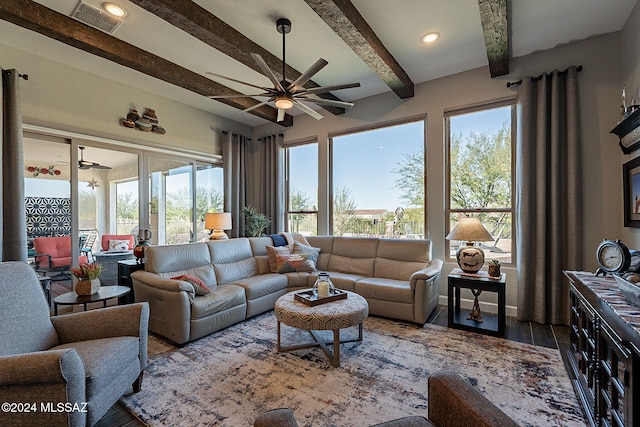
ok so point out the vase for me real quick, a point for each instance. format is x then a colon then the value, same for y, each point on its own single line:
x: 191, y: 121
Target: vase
x: 143, y: 243
x: 87, y: 287
x: 494, y: 270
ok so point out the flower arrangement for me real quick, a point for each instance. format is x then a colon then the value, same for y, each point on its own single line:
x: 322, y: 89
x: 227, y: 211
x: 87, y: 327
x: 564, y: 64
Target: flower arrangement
x: 44, y: 171
x: 494, y: 262
x: 87, y: 271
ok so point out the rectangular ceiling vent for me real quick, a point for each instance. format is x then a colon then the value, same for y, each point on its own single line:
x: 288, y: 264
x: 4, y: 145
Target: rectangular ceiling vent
x: 96, y: 18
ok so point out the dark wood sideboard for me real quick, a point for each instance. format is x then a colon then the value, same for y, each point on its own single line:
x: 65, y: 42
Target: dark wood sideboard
x: 604, y: 351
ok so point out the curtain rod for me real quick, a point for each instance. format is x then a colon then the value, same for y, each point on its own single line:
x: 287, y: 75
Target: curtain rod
x: 518, y: 82
x: 22, y: 76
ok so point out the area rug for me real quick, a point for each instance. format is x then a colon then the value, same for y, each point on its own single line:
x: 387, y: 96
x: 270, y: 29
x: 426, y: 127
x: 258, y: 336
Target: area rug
x: 229, y: 377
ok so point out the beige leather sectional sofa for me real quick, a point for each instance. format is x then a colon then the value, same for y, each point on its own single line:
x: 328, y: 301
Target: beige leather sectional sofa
x: 398, y: 278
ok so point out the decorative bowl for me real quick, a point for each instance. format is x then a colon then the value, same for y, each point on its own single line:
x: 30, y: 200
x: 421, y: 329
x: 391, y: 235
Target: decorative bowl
x: 629, y: 290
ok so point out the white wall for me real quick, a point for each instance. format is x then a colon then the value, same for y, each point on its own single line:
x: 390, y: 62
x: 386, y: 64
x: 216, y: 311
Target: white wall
x: 599, y: 82
x: 630, y: 78
x: 66, y: 98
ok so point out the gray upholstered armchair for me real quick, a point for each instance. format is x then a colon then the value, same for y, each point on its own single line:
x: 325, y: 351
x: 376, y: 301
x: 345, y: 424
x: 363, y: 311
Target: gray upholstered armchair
x: 68, y: 369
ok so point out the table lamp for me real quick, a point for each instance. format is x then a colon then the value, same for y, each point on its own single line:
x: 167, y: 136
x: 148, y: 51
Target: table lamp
x: 470, y: 258
x: 217, y: 222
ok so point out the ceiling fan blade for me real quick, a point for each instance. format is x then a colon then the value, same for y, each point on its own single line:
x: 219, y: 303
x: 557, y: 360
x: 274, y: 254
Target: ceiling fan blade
x: 238, y: 81
x: 267, y: 71
x: 306, y: 76
x: 99, y: 166
x: 328, y: 102
x: 238, y: 96
x: 307, y: 110
x: 329, y: 88
x: 253, y: 107
x: 281, y: 114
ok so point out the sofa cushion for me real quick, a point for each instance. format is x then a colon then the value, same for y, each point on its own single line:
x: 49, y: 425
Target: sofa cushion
x: 394, y: 269
x: 349, y: 265
x: 298, y: 280
x: 168, y: 258
x: 204, y: 273
x: 221, y: 298
x: 232, y: 259
x: 289, y: 263
x: 385, y: 289
x: 198, y: 285
x: 353, y: 256
x: 258, y: 244
x: 264, y: 284
x: 272, y: 251
x: 299, y: 248
x: 227, y: 273
x: 104, y: 356
x: 325, y: 243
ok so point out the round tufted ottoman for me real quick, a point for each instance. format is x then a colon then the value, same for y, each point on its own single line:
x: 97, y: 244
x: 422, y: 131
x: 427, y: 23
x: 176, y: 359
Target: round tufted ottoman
x: 331, y: 316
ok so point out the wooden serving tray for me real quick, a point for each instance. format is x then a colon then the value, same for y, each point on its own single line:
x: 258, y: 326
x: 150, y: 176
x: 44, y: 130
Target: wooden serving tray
x: 307, y: 297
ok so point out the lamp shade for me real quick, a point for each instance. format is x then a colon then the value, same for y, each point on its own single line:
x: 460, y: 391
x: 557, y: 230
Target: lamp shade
x: 470, y: 230
x: 217, y: 221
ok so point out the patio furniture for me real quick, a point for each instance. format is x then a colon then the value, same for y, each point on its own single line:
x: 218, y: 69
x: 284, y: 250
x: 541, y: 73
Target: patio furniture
x: 53, y: 255
x: 106, y: 238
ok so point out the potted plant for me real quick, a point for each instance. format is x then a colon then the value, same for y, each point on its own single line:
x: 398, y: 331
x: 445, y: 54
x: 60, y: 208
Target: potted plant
x: 254, y: 222
x: 88, y: 278
x: 494, y: 268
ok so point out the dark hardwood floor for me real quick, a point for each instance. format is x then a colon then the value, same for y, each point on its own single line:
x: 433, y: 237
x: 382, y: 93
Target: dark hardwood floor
x: 525, y: 332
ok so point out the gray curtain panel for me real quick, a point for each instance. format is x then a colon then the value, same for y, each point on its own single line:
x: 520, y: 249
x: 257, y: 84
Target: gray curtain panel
x: 234, y: 158
x: 270, y: 180
x: 14, y: 228
x: 548, y: 194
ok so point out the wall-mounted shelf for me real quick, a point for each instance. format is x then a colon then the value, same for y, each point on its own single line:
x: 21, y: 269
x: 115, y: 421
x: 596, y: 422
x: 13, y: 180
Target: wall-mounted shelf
x: 628, y: 131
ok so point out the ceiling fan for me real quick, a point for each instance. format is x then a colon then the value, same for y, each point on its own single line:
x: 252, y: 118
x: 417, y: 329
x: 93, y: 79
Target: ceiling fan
x: 286, y: 94
x: 85, y: 164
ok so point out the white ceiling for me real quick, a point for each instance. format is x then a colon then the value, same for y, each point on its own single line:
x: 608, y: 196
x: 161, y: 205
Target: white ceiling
x: 535, y: 25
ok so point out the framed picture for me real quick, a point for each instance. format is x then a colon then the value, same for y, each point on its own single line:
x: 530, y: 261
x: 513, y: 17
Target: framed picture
x: 631, y: 183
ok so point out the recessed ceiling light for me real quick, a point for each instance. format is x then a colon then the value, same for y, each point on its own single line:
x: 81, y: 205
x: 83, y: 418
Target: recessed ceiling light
x: 114, y: 9
x: 430, y: 37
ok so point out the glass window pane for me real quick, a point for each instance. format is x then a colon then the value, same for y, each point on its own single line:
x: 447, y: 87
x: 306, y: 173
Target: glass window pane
x: 303, y: 189
x: 378, y: 182
x: 480, y: 153
x: 209, y: 195
x: 170, y: 201
x: 480, y: 176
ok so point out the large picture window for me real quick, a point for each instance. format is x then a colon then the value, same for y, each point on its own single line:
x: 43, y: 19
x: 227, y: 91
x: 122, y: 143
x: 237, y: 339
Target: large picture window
x: 378, y: 186
x: 302, y: 188
x: 480, y: 174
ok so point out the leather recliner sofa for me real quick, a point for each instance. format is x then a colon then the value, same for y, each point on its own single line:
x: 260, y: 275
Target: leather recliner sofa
x: 397, y: 277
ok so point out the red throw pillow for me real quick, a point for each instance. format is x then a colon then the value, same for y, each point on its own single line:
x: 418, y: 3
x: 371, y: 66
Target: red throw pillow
x: 198, y: 285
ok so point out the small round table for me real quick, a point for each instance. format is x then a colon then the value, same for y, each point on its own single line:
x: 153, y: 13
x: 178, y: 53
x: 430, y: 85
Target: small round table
x: 105, y: 293
x: 331, y: 316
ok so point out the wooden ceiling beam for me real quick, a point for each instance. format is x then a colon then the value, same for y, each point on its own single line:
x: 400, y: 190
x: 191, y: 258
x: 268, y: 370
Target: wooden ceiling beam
x: 495, y: 25
x: 345, y: 20
x: 38, y: 18
x: 208, y: 28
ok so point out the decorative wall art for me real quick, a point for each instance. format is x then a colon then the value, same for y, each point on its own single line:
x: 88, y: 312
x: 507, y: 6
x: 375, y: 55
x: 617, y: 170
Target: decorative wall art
x: 631, y: 186
x: 45, y: 170
x: 147, y: 122
x: 48, y: 216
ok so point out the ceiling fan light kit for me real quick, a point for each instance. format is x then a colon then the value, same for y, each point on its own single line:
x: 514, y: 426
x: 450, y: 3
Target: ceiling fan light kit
x: 285, y: 94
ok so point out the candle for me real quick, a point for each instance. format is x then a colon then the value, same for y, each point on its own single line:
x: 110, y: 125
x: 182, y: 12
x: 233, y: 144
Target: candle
x: 323, y: 289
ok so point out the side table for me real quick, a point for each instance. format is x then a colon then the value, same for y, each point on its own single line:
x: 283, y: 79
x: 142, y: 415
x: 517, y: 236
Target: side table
x: 125, y: 268
x: 105, y: 293
x: 489, y: 324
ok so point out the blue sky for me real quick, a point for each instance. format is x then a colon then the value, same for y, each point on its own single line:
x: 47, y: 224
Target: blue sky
x: 363, y: 161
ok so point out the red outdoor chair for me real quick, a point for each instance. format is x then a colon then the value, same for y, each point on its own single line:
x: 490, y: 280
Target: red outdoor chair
x: 53, y: 254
